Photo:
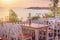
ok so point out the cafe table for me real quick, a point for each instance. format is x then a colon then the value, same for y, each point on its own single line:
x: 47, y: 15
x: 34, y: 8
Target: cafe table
x: 35, y: 27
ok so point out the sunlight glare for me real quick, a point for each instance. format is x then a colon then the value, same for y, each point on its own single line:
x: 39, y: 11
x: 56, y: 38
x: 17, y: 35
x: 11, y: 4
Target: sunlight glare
x: 7, y: 1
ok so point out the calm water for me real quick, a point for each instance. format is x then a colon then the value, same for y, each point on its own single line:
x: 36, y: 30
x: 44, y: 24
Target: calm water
x: 24, y: 12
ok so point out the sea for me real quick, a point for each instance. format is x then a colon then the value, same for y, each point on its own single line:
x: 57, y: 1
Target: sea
x: 24, y: 13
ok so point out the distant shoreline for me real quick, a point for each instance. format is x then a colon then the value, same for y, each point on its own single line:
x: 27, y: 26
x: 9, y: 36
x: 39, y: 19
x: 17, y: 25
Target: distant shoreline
x: 38, y: 8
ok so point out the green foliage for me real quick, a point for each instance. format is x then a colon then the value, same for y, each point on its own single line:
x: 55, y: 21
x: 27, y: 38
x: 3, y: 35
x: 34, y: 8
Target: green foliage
x: 58, y: 11
x: 12, y: 13
x: 49, y: 14
x: 35, y: 17
x: 13, y: 16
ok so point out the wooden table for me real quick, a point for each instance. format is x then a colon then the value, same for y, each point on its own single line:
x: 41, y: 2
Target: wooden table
x: 36, y: 28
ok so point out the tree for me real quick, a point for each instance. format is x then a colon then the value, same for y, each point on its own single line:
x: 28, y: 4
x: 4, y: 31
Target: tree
x: 54, y: 7
x: 48, y: 15
x: 12, y: 16
x: 58, y: 11
x: 35, y: 17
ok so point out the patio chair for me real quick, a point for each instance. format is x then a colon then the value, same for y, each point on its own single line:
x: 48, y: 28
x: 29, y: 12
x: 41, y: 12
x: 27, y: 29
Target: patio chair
x: 6, y: 33
x: 17, y: 34
x: 13, y: 32
x: 2, y: 33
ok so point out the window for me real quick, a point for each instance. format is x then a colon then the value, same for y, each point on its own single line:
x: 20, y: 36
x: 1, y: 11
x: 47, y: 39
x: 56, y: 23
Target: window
x: 55, y: 30
x: 59, y: 36
x: 58, y: 30
x: 44, y: 33
x: 50, y: 34
x: 54, y: 34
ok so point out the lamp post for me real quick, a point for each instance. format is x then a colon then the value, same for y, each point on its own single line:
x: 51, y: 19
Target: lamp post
x: 29, y: 19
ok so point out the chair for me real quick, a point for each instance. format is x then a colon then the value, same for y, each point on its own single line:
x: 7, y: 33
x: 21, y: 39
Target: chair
x: 7, y: 27
x: 13, y: 32
x: 2, y: 33
x: 17, y: 33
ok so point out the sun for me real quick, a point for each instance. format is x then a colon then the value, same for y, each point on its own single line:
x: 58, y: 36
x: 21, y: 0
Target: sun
x: 7, y: 1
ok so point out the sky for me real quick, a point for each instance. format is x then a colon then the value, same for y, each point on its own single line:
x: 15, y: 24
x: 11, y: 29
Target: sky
x: 24, y: 3
x: 5, y: 5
